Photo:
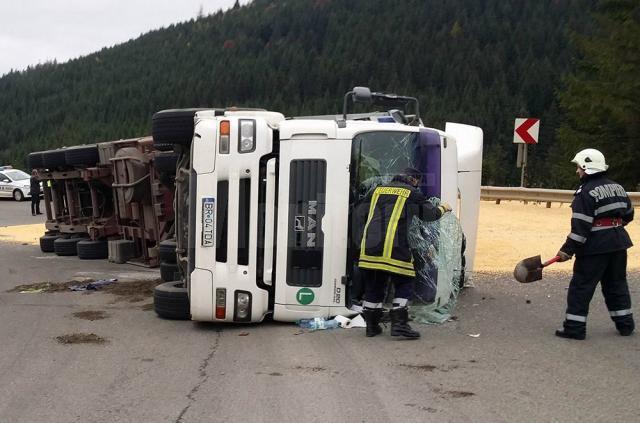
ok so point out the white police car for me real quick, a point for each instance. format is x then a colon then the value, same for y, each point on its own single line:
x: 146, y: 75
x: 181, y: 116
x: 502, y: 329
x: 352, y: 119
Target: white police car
x: 14, y: 183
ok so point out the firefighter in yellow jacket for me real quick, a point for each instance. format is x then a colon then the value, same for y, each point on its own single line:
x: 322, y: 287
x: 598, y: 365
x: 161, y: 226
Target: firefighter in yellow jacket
x: 385, y: 253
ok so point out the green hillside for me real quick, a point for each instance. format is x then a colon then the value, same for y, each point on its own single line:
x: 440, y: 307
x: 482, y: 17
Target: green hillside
x: 470, y: 61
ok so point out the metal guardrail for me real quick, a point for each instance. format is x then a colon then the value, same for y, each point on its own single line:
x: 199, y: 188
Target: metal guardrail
x: 537, y: 195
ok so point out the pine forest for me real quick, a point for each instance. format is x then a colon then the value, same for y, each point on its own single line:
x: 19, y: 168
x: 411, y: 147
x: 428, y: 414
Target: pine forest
x: 574, y: 64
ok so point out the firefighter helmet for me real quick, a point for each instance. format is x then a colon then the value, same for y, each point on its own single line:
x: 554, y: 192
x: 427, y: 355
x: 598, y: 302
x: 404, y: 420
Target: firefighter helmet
x: 591, y: 161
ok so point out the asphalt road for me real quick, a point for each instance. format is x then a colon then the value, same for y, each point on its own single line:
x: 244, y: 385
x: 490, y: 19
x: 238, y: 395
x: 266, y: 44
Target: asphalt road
x: 154, y: 370
x: 18, y: 212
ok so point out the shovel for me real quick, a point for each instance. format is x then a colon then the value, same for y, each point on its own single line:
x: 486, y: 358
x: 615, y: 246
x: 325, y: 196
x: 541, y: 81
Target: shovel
x: 530, y: 269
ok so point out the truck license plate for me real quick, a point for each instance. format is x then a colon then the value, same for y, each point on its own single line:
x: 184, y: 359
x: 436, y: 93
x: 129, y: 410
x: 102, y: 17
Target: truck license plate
x: 207, y: 221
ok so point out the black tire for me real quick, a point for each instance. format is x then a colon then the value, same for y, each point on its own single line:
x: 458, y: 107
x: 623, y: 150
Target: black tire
x: 169, y: 271
x: 46, y: 242
x: 173, y: 126
x: 66, y: 246
x: 18, y: 195
x: 167, y: 251
x: 166, y: 162
x: 92, y: 250
x: 53, y: 159
x: 171, y: 301
x: 34, y: 160
x: 82, y: 155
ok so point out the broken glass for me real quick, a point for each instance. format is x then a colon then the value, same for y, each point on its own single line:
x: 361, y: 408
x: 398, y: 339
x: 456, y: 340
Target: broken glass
x: 437, y: 251
x: 437, y: 246
x: 379, y: 156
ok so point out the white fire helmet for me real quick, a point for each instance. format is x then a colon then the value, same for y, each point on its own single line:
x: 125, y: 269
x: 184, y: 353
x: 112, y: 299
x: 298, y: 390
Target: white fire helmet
x: 591, y: 161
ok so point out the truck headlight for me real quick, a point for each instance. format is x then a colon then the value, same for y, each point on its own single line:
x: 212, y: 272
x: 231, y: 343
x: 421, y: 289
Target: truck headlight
x: 243, y: 306
x: 247, y: 136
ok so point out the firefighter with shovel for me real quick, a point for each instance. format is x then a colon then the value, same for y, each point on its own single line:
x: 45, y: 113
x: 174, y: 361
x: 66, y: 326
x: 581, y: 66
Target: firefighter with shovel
x: 601, y: 208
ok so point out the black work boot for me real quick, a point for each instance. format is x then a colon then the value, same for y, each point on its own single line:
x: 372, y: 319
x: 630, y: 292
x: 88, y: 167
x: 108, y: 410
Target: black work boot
x: 625, y: 326
x: 572, y: 330
x: 399, y: 325
x: 372, y: 317
x: 563, y: 333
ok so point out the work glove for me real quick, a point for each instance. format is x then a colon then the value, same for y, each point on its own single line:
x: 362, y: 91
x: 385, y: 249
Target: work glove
x: 444, y: 207
x: 563, y: 256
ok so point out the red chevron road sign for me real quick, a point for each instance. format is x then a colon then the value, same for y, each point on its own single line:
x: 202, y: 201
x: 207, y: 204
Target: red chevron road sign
x: 526, y: 131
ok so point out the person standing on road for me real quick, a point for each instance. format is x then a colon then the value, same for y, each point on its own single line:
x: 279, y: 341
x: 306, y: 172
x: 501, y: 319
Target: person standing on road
x: 601, y: 208
x: 34, y: 191
x: 385, y: 252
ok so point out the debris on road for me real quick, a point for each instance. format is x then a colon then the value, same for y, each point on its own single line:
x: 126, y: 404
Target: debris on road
x: 134, y: 291
x: 458, y: 394
x: 347, y: 323
x: 474, y: 335
x: 80, y: 338
x: 42, y: 287
x: 33, y: 290
x: 421, y: 367
x: 91, y: 315
x: 95, y: 285
x: 318, y: 323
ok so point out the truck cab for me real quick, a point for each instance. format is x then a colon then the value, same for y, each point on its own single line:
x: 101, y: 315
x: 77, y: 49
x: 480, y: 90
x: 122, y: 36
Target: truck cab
x: 271, y: 207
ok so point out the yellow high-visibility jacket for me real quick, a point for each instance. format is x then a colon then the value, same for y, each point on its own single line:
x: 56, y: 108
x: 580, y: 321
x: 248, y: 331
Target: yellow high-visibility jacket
x: 385, y: 245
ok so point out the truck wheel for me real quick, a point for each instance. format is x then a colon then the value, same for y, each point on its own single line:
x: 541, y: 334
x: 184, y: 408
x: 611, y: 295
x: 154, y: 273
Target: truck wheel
x: 18, y: 195
x: 46, y: 242
x: 173, y: 126
x: 35, y: 160
x: 66, y: 246
x: 171, y: 301
x: 53, y: 159
x: 167, y: 251
x: 169, y: 271
x: 92, y: 250
x: 83, y: 155
x: 166, y: 162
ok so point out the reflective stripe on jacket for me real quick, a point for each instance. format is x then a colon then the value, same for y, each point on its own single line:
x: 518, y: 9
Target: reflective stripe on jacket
x: 384, y: 243
x: 598, y: 197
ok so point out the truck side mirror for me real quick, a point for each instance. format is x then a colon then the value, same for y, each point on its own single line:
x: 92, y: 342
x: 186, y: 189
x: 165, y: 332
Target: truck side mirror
x: 357, y: 95
x: 362, y: 95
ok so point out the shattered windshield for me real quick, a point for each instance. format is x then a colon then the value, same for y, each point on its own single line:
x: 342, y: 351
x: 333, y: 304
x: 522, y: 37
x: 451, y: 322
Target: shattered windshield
x: 379, y: 156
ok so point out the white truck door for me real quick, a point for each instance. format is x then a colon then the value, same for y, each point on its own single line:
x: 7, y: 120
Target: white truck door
x: 312, y: 226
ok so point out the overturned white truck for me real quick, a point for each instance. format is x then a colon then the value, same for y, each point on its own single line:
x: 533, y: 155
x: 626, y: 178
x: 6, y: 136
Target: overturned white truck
x: 266, y: 207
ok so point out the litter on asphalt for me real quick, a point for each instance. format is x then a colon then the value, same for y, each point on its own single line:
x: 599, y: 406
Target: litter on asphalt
x: 93, y: 286
x: 347, y: 323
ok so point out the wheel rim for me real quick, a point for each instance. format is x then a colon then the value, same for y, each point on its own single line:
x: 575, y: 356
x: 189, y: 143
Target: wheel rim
x: 17, y: 195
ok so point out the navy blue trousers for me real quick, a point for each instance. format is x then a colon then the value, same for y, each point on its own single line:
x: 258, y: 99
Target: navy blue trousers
x: 375, y: 285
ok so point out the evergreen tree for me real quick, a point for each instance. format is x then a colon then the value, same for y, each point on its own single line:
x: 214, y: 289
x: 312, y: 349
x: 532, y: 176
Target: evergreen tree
x: 602, y: 98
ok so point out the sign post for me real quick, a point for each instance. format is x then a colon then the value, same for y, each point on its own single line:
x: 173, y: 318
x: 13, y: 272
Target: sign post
x: 525, y: 132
